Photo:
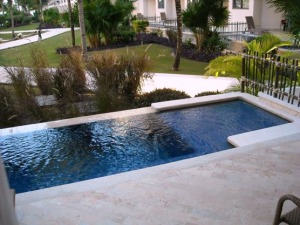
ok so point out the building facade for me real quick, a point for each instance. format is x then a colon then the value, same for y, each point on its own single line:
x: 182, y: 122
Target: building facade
x: 264, y: 16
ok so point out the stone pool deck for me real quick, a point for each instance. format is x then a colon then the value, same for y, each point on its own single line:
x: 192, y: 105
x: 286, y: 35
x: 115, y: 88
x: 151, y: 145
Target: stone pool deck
x: 237, y: 186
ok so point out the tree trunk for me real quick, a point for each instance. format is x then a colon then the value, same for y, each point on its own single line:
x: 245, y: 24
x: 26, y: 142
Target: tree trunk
x: 179, y: 36
x: 11, y: 12
x: 41, y: 11
x: 82, y: 28
x: 71, y: 22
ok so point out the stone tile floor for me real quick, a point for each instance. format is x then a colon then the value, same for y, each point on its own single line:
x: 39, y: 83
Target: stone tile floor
x: 237, y: 186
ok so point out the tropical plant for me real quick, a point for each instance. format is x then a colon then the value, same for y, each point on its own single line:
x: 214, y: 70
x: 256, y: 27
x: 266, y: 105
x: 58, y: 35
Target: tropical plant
x: 159, y: 95
x: 179, y: 36
x: 266, y: 43
x: 40, y: 70
x: 10, y: 6
x: 140, y: 25
x: 51, y: 16
x: 231, y: 65
x: 103, y: 18
x: 201, y: 15
x: 8, y: 113
x: 82, y: 28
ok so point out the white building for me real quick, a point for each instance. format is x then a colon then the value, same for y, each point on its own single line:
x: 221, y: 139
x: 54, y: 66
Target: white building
x: 264, y: 16
x: 61, y: 5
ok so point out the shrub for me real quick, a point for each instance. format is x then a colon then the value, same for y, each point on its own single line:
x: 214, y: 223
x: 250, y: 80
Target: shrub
x: 124, y: 36
x: 122, y: 75
x: 172, y: 36
x: 214, y: 43
x: 205, y: 93
x: 27, y: 106
x: 8, y: 114
x: 39, y: 70
x: 72, y: 65
x: 159, y: 95
x: 140, y: 25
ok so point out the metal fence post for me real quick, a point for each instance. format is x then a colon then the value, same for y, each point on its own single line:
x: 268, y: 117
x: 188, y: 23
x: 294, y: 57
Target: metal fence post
x: 277, y: 72
x: 243, y: 72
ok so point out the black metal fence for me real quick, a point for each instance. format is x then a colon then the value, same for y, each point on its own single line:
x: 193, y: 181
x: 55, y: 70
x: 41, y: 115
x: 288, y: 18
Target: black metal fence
x: 274, y: 75
x: 230, y: 28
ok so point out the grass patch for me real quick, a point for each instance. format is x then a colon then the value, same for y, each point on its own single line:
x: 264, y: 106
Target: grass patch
x: 32, y: 26
x: 161, y: 58
x: 10, y: 57
x: 9, y: 36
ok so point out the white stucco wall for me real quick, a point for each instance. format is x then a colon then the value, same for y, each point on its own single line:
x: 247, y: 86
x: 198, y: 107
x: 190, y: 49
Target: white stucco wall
x: 151, y: 8
x: 238, y: 15
x: 270, y: 19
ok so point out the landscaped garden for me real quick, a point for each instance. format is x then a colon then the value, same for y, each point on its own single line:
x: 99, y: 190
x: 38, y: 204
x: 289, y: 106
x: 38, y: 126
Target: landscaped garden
x: 48, y: 79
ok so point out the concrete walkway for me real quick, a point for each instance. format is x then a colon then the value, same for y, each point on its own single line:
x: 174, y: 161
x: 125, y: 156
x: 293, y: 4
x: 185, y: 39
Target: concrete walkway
x: 190, y: 84
x: 47, y: 34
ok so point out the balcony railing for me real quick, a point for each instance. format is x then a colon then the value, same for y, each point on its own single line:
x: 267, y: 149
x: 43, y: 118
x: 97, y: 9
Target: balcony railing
x: 274, y: 75
x: 157, y: 22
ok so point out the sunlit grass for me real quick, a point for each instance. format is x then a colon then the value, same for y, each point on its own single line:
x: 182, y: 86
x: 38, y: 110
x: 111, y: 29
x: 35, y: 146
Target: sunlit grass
x: 161, y: 58
x: 32, y: 26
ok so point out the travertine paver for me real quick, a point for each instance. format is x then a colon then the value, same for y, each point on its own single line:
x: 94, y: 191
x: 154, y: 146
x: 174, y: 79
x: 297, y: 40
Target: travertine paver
x: 238, y: 186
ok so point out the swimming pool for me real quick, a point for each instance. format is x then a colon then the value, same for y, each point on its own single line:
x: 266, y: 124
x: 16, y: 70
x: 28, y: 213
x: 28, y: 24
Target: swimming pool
x: 65, y: 155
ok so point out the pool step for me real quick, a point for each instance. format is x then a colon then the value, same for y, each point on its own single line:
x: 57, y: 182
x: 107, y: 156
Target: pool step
x: 266, y: 134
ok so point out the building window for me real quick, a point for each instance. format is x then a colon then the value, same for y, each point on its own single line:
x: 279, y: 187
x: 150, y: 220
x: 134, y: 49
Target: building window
x: 161, y: 4
x: 241, y: 4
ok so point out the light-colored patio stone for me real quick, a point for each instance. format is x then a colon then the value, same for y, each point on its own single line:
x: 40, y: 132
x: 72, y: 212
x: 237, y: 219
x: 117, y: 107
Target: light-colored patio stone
x: 237, y: 186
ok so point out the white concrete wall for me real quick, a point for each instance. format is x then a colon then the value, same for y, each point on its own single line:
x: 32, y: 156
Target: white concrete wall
x: 238, y: 15
x: 151, y: 11
x: 257, y: 9
x: 270, y: 19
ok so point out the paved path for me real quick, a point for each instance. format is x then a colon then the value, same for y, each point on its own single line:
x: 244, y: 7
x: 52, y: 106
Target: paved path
x: 47, y: 34
x: 190, y: 84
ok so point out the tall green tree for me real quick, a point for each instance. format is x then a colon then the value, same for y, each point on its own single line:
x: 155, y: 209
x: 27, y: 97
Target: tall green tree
x: 71, y: 19
x: 11, y: 13
x: 201, y: 15
x: 179, y: 36
x: 82, y: 28
x: 103, y: 18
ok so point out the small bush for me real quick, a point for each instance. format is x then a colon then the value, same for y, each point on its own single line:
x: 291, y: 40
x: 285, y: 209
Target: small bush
x: 8, y: 113
x: 159, y: 95
x: 205, y: 93
x: 124, y: 36
x: 122, y: 75
x: 40, y: 70
x: 214, y: 43
x: 72, y: 65
x: 140, y: 25
x: 172, y: 36
x: 26, y: 104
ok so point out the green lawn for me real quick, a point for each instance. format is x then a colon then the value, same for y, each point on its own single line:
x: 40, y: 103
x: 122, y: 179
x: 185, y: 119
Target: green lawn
x: 161, y: 57
x: 32, y: 26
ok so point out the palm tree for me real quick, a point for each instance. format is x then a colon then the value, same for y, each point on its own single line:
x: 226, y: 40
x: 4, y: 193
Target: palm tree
x: 179, y: 36
x: 82, y: 28
x: 71, y: 19
x: 200, y: 15
x: 11, y: 12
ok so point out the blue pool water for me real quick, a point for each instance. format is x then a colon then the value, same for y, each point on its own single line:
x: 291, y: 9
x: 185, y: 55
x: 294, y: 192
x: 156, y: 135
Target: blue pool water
x: 58, y: 156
